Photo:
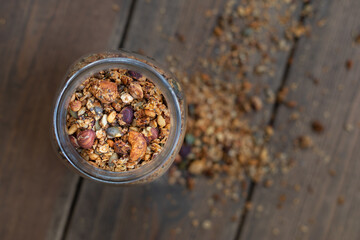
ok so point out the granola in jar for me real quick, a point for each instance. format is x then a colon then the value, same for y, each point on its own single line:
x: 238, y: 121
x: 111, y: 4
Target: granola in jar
x: 118, y: 120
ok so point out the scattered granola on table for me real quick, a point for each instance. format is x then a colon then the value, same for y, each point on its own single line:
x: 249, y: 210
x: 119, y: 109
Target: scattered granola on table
x: 118, y: 120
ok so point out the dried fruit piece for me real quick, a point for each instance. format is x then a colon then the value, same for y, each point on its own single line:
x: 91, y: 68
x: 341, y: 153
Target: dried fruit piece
x: 126, y: 116
x: 136, y: 91
x: 86, y: 139
x: 134, y: 74
x: 75, y: 105
x: 138, y: 145
x: 105, y: 91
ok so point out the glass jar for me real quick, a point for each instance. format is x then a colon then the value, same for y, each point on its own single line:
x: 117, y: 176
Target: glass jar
x: 163, y: 80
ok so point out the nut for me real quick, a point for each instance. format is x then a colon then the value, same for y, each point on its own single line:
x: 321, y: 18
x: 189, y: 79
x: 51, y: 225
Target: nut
x: 106, y: 92
x: 72, y: 129
x: 111, y: 117
x: 161, y: 121
x: 74, y: 141
x: 138, y: 146
x: 126, y: 98
x: 150, y: 113
x: 154, y: 133
x: 126, y: 116
x: 86, y: 139
x: 136, y: 91
x: 75, y: 105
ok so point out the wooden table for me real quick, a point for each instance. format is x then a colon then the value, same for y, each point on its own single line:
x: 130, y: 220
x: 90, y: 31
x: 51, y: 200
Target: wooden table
x: 41, y: 199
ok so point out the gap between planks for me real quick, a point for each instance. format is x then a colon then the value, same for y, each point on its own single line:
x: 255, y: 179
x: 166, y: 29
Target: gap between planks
x: 271, y: 122
x: 80, y: 180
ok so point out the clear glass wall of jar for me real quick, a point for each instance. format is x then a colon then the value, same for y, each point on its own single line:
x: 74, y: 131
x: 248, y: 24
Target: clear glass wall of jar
x: 163, y: 80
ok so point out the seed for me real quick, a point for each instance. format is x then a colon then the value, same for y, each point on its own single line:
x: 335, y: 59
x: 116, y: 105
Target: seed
x: 161, y: 121
x: 150, y: 113
x: 103, y: 121
x: 114, y: 132
x: 72, y: 129
x: 111, y: 117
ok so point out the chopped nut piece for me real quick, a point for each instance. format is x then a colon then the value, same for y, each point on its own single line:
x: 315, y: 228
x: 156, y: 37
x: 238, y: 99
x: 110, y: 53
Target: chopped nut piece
x: 126, y: 98
x: 75, y: 105
x: 136, y: 91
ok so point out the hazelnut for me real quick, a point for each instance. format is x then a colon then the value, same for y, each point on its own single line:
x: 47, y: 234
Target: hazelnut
x: 136, y: 90
x: 161, y: 121
x: 86, y: 139
x: 75, y: 105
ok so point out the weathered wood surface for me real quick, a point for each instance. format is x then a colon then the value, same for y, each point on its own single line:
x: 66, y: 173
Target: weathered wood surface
x: 320, y: 197
x: 158, y: 210
x: 38, y: 42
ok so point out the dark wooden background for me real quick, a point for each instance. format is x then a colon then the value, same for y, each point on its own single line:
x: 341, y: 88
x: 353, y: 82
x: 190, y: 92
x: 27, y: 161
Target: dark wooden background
x: 41, y: 199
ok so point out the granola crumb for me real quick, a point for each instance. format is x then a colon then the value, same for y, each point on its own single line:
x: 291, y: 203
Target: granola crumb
x: 207, y: 224
x: 340, y: 200
x: 317, y: 126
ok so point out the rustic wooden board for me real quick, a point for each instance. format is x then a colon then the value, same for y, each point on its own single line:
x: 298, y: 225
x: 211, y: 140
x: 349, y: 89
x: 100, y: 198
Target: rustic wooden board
x: 39, y: 40
x: 158, y: 210
x: 320, y: 197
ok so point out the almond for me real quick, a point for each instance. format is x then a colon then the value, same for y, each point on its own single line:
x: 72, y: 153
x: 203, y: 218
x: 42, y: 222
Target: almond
x: 138, y: 145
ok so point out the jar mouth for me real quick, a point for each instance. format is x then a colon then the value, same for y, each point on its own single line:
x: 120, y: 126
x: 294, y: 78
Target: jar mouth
x: 73, y: 157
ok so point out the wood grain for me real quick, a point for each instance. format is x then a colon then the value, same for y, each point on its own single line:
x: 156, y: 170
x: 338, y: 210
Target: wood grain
x: 320, y: 197
x: 158, y: 210
x: 38, y: 41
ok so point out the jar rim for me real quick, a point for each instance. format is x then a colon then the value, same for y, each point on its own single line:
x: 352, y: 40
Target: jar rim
x: 73, y: 157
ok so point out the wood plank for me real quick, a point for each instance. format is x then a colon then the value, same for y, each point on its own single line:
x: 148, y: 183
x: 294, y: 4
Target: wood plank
x: 159, y: 210
x: 320, y: 197
x: 39, y: 40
